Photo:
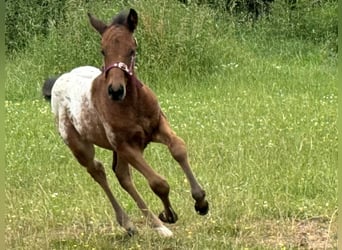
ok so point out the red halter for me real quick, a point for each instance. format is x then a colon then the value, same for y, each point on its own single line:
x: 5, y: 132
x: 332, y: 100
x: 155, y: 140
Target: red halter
x: 123, y: 66
x: 129, y: 70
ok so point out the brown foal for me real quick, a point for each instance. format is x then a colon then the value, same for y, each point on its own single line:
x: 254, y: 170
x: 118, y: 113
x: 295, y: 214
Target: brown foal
x: 114, y: 110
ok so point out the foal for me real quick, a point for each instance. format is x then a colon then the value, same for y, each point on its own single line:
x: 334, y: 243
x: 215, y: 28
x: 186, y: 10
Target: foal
x: 114, y: 110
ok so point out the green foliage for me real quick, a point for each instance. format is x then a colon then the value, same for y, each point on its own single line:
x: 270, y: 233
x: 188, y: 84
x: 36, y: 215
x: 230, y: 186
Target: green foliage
x: 56, y: 53
x: 25, y: 19
x: 309, y: 21
x: 171, y: 41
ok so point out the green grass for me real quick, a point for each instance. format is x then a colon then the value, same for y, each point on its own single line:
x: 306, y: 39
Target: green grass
x: 262, y: 155
x: 258, y: 113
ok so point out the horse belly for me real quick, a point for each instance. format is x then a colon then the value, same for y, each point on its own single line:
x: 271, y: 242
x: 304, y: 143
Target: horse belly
x: 89, y: 126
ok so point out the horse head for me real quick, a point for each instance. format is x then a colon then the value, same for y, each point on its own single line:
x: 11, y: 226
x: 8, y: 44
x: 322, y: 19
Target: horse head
x: 118, y: 48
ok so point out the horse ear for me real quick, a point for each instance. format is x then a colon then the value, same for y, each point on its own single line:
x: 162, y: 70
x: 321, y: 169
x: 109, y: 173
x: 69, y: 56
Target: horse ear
x: 132, y: 20
x: 97, y: 24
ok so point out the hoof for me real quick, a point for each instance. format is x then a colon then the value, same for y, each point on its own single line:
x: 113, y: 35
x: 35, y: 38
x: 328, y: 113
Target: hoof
x: 164, y: 231
x: 203, y: 208
x: 131, y: 231
x: 171, y: 218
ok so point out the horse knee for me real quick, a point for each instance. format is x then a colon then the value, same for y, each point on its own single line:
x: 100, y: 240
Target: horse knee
x: 160, y: 187
x: 178, y: 150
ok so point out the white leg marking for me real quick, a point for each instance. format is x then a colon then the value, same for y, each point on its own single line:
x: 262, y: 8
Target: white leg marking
x: 164, y: 231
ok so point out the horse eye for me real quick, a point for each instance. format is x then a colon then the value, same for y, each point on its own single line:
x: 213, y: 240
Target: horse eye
x: 102, y: 52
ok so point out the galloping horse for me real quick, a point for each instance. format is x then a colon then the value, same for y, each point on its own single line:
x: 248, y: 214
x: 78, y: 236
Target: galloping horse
x: 114, y: 110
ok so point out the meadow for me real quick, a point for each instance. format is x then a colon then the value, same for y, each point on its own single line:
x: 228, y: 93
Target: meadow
x: 256, y: 103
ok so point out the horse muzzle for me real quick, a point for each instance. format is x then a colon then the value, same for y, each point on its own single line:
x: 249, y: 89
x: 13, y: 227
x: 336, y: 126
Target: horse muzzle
x: 117, y: 94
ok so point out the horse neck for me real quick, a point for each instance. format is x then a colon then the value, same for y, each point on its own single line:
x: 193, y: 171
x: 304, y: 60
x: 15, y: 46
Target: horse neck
x: 132, y: 91
x: 141, y: 95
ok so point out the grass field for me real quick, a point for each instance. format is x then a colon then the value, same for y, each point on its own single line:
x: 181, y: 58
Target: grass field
x: 261, y: 131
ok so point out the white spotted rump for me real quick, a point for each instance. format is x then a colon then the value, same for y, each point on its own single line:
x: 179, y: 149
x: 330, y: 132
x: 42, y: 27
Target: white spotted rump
x: 71, y: 103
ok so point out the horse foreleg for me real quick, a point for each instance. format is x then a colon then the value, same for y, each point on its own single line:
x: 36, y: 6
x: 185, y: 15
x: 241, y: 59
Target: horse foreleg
x: 122, y: 172
x: 85, y: 153
x: 158, y: 184
x: 178, y: 150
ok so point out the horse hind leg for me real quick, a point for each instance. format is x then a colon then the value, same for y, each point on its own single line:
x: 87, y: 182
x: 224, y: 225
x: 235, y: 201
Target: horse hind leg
x: 84, y: 152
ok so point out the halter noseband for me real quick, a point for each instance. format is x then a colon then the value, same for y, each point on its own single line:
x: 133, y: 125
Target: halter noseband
x: 129, y: 70
x: 120, y: 65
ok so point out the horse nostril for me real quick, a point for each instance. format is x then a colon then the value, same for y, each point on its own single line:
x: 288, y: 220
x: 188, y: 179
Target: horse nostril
x: 116, y: 94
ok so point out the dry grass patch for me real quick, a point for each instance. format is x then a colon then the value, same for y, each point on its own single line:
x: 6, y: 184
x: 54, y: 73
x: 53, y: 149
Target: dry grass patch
x: 311, y: 233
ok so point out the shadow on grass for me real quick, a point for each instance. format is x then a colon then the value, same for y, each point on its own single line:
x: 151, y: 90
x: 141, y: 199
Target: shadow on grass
x: 94, y: 241
x: 106, y: 237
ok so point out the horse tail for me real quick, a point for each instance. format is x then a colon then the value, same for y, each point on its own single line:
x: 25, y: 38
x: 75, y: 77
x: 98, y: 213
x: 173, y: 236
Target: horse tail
x: 47, y: 87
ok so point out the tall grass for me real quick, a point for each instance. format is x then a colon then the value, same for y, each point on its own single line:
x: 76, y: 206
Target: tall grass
x: 169, y: 42
x: 257, y: 108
